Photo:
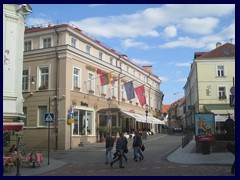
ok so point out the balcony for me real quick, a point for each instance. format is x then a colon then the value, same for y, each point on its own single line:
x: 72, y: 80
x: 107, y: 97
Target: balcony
x: 222, y: 97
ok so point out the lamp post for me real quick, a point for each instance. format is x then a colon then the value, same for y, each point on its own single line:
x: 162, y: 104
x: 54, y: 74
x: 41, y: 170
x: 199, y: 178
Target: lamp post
x: 146, y: 106
x: 109, y: 101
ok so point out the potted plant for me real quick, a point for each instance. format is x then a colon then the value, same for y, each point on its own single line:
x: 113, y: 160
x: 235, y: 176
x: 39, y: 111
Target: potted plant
x: 123, y: 99
x: 77, y: 88
x: 43, y: 86
x: 115, y: 131
x: 114, y: 97
x: 103, y: 94
x: 91, y: 91
x: 137, y: 103
x: 102, y: 132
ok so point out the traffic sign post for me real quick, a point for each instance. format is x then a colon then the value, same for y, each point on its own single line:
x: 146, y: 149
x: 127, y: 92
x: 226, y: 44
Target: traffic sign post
x: 49, y: 117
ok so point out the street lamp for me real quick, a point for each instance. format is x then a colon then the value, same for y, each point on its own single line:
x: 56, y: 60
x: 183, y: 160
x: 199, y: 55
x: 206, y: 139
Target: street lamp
x: 109, y: 101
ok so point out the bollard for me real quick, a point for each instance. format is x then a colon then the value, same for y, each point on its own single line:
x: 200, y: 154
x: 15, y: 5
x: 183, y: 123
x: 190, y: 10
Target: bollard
x: 18, y: 167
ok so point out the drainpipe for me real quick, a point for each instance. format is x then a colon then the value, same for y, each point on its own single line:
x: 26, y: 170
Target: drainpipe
x: 56, y: 91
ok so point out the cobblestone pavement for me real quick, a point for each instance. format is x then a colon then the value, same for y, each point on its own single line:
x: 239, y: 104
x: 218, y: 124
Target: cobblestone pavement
x: 155, y: 163
x: 89, y: 161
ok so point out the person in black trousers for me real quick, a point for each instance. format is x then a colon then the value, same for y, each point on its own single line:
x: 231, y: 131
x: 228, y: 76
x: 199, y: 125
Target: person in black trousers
x: 119, y: 149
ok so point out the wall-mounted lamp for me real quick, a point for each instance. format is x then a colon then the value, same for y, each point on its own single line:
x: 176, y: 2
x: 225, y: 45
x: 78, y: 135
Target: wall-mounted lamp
x: 31, y: 79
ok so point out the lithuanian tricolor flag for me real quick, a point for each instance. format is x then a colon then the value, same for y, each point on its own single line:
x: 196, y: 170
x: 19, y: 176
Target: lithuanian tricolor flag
x: 105, y: 79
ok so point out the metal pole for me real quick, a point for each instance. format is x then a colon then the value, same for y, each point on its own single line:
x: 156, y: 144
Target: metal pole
x: 49, y: 132
x: 70, y: 136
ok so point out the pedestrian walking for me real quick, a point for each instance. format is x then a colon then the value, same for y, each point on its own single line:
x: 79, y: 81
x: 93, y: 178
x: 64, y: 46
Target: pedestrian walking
x: 109, y: 147
x: 125, y: 148
x: 137, y: 143
x: 119, y: 150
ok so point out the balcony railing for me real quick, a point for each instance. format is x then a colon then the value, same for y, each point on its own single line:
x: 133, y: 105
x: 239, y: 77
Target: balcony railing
x: 222, y: 97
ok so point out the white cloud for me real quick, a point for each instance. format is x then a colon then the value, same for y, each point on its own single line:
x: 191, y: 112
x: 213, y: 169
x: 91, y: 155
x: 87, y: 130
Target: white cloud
x: 37, y: 21
x: 146, y: 22
x: 199, y: 25
x: 164, y: 79
x: 141, y: 62
x: 129, y: 43
x: 186, y: 64
x: 183, y: 42
x: 181, y: 80
x: 170, y: 31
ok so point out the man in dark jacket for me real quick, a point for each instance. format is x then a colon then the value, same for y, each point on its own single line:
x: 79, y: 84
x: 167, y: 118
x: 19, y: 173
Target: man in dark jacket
x: 137, y: 143
x: 109, y: 147
x: 119, y: 149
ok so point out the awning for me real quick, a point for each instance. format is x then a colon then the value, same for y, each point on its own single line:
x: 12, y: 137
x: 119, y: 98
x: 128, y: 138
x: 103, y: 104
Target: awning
x: 10, y: 125
x: 142, y: 118
x: 210, y: 107
x: 136, y: 116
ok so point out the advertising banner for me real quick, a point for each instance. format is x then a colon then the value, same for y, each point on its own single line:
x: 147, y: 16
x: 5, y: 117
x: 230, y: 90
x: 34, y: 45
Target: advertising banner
x: 204, y: 127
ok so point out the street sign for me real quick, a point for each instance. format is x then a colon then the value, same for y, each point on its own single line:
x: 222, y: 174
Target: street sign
x: 70, y: 118
x: 49, y: 117
x: 232, y: 90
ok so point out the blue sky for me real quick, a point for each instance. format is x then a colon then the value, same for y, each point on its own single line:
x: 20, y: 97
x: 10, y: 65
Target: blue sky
x: 162, y: 35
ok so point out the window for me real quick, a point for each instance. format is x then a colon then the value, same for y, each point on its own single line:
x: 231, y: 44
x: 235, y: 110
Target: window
x: 88, y: 49
x: 25, y: 80
x: 100, y: 55
x: 74, y: 42
x: 41, y: 115
x: 144, y: 78
x: 111, y: 60
x: 128, y: 69
x: 43, y: 78
x: 90, y: 81
x: 76, y: 78
x: 25, y: 113
x: 123, y: 92
x: 83, y: 122
x: 222, y: 92
x: 103, y: 90
x: 113, y: 89
x: 46, y: 42
x: 220, y: 71
x: 134, y: 72
x: 27, y: 45
x: 120, y: 65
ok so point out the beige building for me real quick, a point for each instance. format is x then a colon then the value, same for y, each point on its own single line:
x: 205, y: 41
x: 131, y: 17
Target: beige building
x: 210, y: 79
x: 64, y: 66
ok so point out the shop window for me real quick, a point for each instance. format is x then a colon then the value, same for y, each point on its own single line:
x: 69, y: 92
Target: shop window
x: 83, y: 122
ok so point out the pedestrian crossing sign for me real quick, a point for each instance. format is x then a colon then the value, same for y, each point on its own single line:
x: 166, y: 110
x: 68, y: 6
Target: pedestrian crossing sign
x: 49, y: 117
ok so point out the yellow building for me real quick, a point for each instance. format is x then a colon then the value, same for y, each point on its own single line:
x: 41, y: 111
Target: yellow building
x: 208, y: 85
x: 61, y: 74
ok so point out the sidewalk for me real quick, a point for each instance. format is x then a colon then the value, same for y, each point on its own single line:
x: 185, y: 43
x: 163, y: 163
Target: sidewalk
x: 186, y: 155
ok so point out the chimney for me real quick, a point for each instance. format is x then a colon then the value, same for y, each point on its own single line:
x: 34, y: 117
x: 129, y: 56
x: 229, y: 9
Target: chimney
x: 218, y: 44
x: 147, y: 68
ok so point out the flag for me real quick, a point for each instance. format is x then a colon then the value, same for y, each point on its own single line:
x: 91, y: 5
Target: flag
x: 129, y: 90
x: 140, y: 92
x: 105, y: 79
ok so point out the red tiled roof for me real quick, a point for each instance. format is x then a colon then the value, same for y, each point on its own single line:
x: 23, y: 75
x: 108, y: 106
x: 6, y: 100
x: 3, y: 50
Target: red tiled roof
x: 225, y: 50
x: 165, y: 108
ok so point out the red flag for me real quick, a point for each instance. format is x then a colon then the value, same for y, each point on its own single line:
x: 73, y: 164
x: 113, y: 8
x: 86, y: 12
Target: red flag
x: 140, y: 92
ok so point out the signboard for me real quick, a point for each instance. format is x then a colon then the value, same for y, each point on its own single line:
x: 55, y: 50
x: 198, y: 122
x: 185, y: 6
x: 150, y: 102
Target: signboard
x: 204, y: 125
x: 49, y: 117
x: 70, y: 118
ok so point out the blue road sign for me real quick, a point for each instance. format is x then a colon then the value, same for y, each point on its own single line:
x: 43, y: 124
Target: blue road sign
x: 49, y: 117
